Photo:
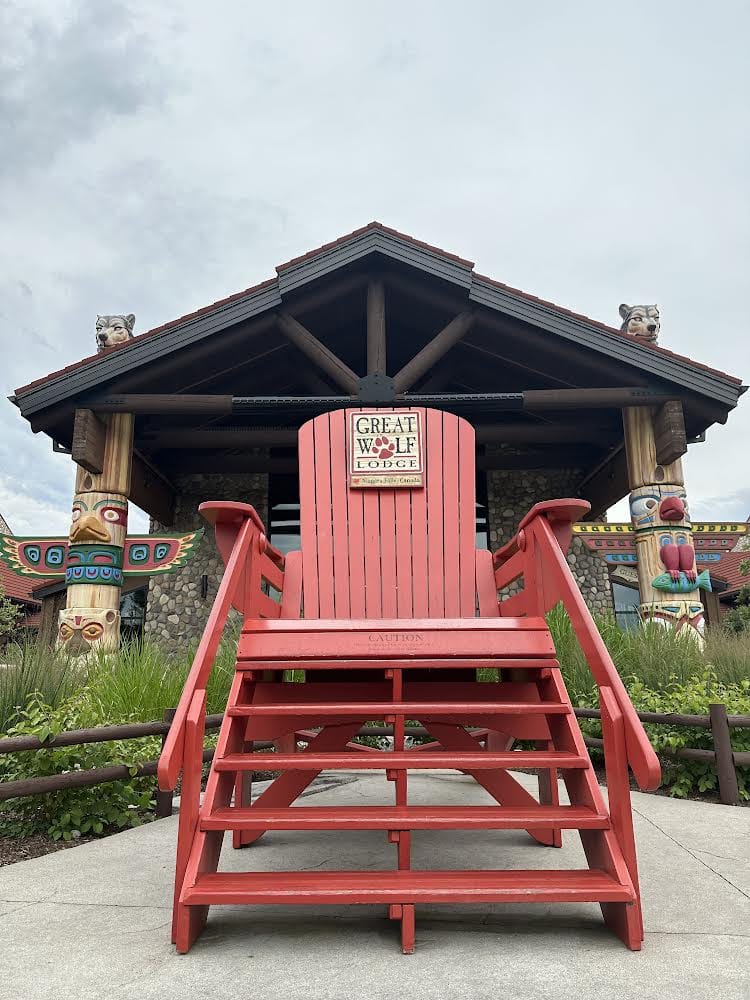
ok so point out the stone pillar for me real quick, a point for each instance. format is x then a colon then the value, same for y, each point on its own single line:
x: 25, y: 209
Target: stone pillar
x: 510, y: 495
x: 98, y: 528
x: 667, y: 576
x: 177, y: 610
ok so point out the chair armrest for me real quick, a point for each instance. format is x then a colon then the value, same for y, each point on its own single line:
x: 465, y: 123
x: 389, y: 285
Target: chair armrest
x: 229, y: 512
x: 561, y: 515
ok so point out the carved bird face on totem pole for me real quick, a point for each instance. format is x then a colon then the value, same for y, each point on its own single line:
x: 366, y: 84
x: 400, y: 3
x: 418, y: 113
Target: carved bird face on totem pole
x: 80, y: 630
x: 641, y: 321
x: 664, y: 510
x: 99, y: 524
x: 112, y: 330
x: 652, y: 506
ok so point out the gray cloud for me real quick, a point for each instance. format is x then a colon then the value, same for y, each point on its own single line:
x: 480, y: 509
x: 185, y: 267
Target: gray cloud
x: 63, y: 80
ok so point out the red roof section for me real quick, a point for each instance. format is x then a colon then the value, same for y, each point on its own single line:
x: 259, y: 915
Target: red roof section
x: 15, y: 586
x: 156, y: 331
x: 729, y: 570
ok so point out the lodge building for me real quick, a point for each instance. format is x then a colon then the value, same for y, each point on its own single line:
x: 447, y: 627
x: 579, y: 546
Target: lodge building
x: 209, y: 404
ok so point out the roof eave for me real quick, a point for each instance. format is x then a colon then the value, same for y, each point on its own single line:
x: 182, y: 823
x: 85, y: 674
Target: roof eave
x: 375, y: 238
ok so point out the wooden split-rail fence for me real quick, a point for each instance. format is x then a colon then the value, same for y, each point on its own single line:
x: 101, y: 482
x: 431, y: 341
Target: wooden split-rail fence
x: 724, y: 759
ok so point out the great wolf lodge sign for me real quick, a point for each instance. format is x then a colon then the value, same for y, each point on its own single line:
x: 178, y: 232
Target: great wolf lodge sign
x: 385, y: 449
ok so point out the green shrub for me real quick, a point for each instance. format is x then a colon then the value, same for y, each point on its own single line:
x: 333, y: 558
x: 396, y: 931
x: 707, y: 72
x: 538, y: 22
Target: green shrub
x: 694, y: 697
x: 67, y: 814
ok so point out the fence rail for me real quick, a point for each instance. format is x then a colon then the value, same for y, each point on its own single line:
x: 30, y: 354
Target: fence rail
x: 725, y: 759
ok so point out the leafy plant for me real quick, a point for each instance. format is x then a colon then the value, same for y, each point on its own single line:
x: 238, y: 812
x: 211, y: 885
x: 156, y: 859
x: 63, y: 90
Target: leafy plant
x: 737, y: 620
x: 10, y: 617
x: 687, y: 777
x: 70, y: 813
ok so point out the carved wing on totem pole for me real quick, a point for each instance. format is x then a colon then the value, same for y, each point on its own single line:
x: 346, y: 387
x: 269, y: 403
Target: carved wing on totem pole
x: 57, y: 558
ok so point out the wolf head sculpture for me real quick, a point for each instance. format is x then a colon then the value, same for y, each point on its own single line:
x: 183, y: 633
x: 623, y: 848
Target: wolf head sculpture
x: 113, y: 330
x: 641, y: 321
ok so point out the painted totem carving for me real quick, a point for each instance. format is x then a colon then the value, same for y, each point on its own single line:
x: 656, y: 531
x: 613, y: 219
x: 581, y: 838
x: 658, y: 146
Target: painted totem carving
x: 668, y: 580
x: 97, y: 555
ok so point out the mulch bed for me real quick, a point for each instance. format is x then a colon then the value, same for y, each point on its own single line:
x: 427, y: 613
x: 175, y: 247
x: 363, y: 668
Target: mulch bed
x: 12, y: 849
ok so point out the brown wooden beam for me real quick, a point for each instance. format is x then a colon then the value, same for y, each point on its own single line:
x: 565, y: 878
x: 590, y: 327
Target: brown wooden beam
x: 538, y: 433
x: 376, y: 327
x: 593, y: 399
x: 151, y: 491
x: 165, y: 403
x: 413, y: 370
x: 318, y: 353
x: 89, y: 439
x: 528, y: 399
x: 669, y: 432
x: 220, y: 437
x: 606, y: 484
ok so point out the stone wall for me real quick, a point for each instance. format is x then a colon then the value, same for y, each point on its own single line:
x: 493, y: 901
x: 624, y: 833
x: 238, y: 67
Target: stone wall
x: 176, y: 612
x: 510, y: 495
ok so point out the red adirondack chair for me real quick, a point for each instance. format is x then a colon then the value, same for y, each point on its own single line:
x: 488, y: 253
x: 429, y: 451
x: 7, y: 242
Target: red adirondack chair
x: 390, y: 610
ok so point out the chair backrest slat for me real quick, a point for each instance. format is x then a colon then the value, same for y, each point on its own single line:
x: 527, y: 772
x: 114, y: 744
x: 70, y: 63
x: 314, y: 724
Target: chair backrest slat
x: 388, y: 553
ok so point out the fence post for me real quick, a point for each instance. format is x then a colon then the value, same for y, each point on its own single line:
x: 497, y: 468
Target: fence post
x: 728, y: 790
x: 164, y: 799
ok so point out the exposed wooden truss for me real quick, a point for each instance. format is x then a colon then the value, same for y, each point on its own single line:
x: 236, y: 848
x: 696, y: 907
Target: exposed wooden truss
x: 318, y: 353
x: 376, y: 333
x: 431, y: 353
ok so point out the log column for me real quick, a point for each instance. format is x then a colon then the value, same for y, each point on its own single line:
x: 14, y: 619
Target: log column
x: 667, y: 575
x: 98, y: 528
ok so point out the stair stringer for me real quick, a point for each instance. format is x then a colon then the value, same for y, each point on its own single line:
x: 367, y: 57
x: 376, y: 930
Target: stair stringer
x: 601, y: 847
x: 205, y: 849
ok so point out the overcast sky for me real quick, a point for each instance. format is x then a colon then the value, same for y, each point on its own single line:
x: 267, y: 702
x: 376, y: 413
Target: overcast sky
x: 156, y: 157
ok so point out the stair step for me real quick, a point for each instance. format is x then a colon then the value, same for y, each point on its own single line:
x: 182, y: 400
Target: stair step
x: 411, y: 709
x: 455, y: 760
x: 321, y: 887
x: 406, y: 818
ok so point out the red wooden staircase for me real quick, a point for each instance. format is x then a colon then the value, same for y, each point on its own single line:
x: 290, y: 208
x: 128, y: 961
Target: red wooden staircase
x: 400, y: 614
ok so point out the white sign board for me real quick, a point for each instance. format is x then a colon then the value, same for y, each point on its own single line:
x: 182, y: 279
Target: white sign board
x: 385, y: 449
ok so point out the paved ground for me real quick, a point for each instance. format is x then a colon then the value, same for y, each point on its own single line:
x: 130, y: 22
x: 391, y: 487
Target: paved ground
x: 93, y: 922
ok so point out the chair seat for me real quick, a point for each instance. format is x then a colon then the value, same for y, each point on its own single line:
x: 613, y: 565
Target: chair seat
x: 395, y: 639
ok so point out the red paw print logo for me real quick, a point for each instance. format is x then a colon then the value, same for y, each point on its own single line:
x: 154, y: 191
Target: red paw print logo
x: 383, y: 447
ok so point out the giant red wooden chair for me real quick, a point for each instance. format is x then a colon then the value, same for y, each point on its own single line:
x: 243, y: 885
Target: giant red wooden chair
x: 390, y: 611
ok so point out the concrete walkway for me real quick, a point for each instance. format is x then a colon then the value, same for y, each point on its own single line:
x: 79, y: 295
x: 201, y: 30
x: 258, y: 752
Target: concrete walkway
x: 93, y: 922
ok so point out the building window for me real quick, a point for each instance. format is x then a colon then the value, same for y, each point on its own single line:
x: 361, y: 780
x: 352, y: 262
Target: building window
x: 133, y: 614
x: 626, y: 601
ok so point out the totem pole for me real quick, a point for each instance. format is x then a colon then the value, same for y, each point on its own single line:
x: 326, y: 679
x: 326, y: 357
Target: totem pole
x: 668, y: 581
x: 97, y: 536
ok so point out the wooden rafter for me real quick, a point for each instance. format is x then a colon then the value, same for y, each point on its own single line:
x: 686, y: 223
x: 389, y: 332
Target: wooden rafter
x: 413, y: 370
x: 376, y: 350
x: 318, y: 353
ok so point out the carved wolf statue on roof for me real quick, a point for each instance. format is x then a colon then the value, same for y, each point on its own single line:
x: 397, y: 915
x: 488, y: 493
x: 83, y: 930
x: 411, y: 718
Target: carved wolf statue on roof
x: 641, y: 321
x: 112, y: 330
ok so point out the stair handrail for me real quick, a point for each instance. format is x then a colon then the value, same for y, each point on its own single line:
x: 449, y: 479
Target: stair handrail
x: 543, y: 539
x: 172, y: 755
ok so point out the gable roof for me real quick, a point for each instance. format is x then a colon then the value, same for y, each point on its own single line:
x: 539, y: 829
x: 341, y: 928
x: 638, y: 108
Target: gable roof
x: 91, y: 372
x: 729, y: 571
